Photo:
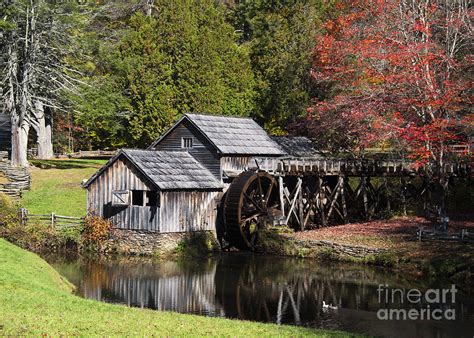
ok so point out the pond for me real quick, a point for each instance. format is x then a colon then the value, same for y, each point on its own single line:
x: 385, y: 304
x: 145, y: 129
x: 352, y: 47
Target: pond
x: 270, y: 289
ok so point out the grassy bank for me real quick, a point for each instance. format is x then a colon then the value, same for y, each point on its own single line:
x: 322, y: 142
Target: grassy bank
x: 36, y: 300
x: 56, y: 186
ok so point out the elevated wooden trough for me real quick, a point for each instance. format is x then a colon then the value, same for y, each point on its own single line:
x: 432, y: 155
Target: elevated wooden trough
x: 356, y: 167
x: 315, y: 191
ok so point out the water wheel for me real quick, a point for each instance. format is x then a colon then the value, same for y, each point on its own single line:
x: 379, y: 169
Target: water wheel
x: 249, y: 200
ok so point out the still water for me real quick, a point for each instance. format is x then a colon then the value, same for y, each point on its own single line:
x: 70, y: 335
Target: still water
x: 266, y: 289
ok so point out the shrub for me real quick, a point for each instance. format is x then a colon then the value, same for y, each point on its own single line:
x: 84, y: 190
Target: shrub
x: 96, y: 230
x: 34, y: 235
x: 8, y: 211
x: 196, y: 244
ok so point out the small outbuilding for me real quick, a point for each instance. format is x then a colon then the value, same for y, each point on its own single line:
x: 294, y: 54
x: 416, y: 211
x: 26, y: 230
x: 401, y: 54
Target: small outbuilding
x: 162, y: 191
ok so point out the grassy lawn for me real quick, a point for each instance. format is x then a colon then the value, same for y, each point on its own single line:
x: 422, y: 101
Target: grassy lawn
x: 36, y: 300
x: 56, y: 186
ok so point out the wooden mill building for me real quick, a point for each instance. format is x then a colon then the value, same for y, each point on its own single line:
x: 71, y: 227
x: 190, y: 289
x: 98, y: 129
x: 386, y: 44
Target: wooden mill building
x: 177, y: 183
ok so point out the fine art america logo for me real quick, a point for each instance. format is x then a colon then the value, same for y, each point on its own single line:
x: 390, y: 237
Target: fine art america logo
x: 432, y: 304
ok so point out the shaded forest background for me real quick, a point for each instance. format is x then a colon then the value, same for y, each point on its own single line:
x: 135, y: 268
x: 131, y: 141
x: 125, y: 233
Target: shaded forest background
x: 348, y: 74
x: 136, y: 66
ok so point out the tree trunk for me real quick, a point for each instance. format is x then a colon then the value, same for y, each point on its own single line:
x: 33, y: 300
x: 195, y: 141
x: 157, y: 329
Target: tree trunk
x: 43, y: 133
x: 20, y: 132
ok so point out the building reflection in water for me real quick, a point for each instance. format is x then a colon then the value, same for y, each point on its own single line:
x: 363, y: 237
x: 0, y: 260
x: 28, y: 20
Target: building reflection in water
x: 170, y: 286
x: 267, y: 289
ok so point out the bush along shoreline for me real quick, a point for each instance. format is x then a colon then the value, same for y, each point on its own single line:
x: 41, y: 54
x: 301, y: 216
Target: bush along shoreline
x: 96, y: 235
x: 34, y: 235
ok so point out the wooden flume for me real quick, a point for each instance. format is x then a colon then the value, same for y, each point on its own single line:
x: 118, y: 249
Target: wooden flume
x: 306, y: 192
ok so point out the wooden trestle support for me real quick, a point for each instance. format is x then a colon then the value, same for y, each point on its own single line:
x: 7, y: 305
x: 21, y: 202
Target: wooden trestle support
x: 308, y: 193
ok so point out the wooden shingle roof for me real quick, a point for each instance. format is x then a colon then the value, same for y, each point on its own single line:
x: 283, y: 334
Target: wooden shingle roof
x: 167, y: 170
x: 298, y: 146
x: 232, y: 135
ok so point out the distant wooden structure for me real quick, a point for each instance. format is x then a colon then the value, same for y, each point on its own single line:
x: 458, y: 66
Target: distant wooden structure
x: 5, y: 133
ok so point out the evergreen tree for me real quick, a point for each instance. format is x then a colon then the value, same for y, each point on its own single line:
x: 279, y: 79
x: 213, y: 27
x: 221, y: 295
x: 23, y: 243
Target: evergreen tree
x: 280, y: 36
x: 149, y: 67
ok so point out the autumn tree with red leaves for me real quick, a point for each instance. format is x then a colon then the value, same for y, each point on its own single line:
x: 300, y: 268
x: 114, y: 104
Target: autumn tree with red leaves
x: 394, y: 72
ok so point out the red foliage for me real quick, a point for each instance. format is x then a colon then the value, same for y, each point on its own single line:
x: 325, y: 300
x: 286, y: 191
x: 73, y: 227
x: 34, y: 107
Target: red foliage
x: 395, y: 72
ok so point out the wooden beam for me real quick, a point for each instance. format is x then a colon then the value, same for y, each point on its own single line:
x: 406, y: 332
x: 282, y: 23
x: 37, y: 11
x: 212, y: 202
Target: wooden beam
x: 343, y: 199
x: 282, y: 195
x: 301, y: 206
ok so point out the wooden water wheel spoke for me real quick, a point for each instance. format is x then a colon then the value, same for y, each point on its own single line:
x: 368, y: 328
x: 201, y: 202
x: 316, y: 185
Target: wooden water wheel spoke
x: 268, y: 194
x: 256, y: 204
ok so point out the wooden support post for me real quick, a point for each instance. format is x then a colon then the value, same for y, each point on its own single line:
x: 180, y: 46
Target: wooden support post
x: 292, y: 203
x: 364, y: 196
x: 52, y: 219
x: 282, y: 196
x: 387, y: 193
x: 403, y: 197
x: 301, y: 205
x: 334, y: 196
x: 321, y: 201
x: 343, y: 198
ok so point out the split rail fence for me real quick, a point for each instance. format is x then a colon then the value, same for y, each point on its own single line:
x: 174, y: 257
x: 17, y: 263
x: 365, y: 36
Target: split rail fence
x: 52, y: 219
x: 429, y: 234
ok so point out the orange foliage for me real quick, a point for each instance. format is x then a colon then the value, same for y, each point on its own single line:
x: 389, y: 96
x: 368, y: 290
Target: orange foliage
x: 96, y: 230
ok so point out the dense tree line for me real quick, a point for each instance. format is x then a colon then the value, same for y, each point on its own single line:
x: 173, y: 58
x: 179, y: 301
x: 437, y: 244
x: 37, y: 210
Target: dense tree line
x: 349, y: 74
x: 118, y: 73
x: 145, y: 63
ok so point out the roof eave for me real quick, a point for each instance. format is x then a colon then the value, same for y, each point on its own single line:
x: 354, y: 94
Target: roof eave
x: 191, y: 189
x: 254, y: 154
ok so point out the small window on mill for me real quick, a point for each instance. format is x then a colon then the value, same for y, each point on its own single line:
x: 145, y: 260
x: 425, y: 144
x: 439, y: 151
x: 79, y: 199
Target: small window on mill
x: 187, y: 142
x: 152, y: 199
x: 137, y: 197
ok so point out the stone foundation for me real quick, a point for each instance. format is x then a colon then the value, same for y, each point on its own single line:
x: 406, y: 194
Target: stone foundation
x: 133, y: 242
x: 338, y: 249
x: 283, y: 244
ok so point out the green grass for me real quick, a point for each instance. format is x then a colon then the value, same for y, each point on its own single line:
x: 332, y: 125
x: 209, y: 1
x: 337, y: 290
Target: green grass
x: 36, y: 300
x: 57, y: 187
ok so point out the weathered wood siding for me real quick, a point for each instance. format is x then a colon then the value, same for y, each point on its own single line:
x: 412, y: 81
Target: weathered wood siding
x: 5, y: 132
x: 179, y: 211
x: 236, y: 163
x: 202, y: 149
x: 122, y: 175
x: 188, y: 211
